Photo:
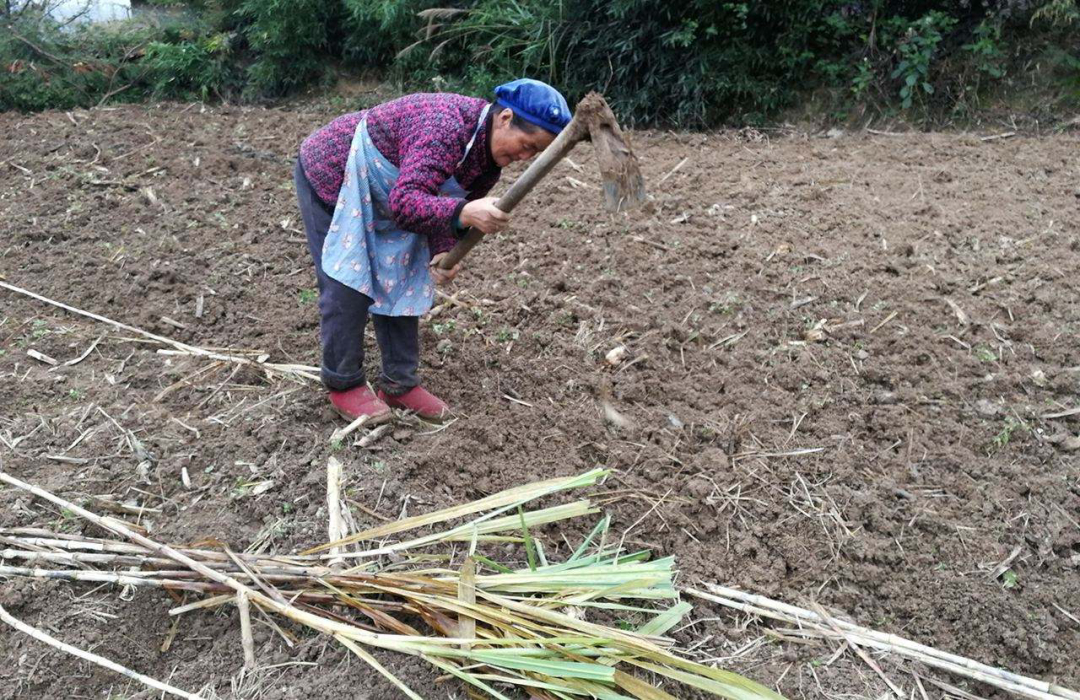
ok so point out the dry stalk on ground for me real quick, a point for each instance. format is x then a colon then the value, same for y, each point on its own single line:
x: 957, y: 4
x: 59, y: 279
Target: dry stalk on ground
x: 820, y: 624
x: 293, y: 371
x: 493, y: 627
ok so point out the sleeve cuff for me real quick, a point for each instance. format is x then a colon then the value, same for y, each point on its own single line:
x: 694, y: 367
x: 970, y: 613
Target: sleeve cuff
x: 455, y: 223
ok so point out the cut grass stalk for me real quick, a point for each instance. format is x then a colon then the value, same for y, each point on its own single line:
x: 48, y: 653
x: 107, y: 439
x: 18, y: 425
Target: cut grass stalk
x: 288, y: 370
x: 502, y: 501
x: 854, y: 634
x: 530, y: 548
x: 517, y: 627
x: 475, y: 530
x: 94, y: 658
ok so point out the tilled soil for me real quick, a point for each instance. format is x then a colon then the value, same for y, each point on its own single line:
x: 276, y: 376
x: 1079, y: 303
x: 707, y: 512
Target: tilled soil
x: 840, y: 353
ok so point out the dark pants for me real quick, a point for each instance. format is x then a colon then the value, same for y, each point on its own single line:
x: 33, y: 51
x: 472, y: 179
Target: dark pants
x: 343, y: 313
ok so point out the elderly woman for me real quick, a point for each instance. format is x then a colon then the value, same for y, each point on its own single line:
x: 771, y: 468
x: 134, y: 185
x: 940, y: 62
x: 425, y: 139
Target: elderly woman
x: 384, y: 195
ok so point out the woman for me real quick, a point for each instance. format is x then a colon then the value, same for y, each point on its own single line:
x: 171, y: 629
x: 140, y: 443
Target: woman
x: 384, y: 195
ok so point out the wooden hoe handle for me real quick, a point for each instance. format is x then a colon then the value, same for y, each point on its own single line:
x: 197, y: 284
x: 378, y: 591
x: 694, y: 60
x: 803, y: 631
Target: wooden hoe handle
x: 562, y: 145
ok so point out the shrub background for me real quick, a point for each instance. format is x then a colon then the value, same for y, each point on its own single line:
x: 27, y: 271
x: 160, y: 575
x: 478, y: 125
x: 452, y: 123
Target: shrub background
x: 696, y: 63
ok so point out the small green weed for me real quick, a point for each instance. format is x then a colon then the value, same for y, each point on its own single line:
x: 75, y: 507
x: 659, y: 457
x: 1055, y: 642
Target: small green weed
x: 1002, y: 439
x: 505, y: 335
x: 242, y: 488
x: 727, y: 304
x: 522, y: 281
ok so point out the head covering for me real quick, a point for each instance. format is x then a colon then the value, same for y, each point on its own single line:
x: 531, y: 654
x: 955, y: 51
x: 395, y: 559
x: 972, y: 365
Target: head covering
x: 535, y: 102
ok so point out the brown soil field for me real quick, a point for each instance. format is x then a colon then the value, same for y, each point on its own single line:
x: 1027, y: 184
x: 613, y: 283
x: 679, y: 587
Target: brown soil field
x: 841, y: 356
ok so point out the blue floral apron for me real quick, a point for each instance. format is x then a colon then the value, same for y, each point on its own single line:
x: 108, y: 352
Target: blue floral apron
x: 365, y: 250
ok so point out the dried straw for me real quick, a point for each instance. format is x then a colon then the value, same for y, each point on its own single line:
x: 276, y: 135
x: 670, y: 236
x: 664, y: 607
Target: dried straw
x: 524, y: 628
x: 93, y: 658
x: 813, y: 623
x: 269, y: 368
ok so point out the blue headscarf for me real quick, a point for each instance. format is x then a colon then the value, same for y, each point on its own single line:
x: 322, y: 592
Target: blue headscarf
x: 536, y: 102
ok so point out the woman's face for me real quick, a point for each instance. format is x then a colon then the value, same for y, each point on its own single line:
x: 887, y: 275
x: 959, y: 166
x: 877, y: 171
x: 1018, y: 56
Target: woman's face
x: 509, y: 145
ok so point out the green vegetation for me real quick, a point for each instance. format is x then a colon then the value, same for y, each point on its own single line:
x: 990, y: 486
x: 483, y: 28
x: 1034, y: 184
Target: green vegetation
x: 1004, y: 437
x: 691, y: 64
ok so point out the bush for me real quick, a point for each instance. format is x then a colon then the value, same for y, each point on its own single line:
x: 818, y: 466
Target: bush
x: 704, y: 62
x: 657, y: 62
x: 693, y: 63
x: 376, y: 30
x: 202, y: 67
x: 290, y: 39
x: 44, y: 67
x: 916, y: 53
x: 1058, y: 13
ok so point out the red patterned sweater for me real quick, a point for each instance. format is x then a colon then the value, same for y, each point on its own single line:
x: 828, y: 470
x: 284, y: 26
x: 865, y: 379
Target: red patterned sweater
x: 424, y: 135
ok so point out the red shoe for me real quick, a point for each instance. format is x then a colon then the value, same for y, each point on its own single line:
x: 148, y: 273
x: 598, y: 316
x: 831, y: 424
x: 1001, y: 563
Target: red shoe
x: 360, y: 401
x: 420, y: 401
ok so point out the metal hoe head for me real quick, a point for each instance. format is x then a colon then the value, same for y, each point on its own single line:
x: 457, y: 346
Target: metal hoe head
x: 593, y: 121
x: 624, y: 188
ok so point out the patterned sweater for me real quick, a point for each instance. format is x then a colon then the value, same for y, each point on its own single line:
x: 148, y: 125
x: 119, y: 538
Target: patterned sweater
x: 424, y: 135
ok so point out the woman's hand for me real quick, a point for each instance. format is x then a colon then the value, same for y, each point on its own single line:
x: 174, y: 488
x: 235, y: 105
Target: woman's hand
x: 482, y: 214
x: 440, y: 275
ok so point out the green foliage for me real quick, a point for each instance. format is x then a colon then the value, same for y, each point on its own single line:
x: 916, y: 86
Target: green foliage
x: 1067, y: 71
x: 917, y: 52
x: 689, y: 64
x: 1004, y: 436
x: 201, y: 67
x: 703, y: 62
x: 43, y: 67
x: 986, y: 50
x: 378, y: 29
x: 290, y: 39
x: 683, y: 63
x: 46, y: 66
x: 1059, y: 13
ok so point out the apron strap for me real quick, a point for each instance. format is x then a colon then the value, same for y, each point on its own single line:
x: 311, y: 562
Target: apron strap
x: 475, y: 133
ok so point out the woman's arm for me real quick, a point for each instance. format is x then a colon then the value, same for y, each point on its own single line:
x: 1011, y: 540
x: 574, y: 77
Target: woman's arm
x: 462, y: 220
x: 428, y: 160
